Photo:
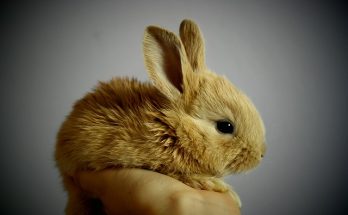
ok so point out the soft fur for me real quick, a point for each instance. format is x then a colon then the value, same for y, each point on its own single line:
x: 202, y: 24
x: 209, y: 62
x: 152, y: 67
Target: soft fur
x: 168, y: 126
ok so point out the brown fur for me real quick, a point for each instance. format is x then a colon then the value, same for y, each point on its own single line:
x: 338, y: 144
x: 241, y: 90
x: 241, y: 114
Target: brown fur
x: 168, y: 126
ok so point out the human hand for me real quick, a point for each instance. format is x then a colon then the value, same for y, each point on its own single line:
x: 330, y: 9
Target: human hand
x: 138, y: 191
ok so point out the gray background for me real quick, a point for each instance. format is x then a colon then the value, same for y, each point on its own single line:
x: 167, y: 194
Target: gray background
x: 288, y: 56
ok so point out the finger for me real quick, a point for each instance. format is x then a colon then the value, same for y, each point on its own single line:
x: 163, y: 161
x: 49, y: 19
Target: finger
x: 123, y: 179
x: 223, y: 201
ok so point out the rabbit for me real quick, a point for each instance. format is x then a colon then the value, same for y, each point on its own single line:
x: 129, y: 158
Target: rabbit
x: 189, y: 123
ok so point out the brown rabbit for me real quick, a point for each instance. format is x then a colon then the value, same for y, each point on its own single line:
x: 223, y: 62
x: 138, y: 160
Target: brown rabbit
x: 190, y: 124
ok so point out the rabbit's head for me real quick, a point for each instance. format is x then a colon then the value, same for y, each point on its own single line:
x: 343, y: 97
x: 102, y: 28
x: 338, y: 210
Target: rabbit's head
x: 219, y: 129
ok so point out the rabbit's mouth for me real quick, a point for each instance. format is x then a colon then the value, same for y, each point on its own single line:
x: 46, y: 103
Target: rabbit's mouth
x: 243, y: 161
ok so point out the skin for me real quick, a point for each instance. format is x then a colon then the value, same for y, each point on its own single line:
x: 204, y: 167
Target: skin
x: 137, y: 191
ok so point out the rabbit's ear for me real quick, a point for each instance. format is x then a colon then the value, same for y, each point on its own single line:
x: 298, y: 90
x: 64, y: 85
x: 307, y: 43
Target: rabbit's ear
x: 193, y: 42
x: 165, y: 60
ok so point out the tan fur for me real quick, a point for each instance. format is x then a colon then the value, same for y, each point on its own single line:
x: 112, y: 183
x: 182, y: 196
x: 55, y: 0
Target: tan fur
x: 168, y: 126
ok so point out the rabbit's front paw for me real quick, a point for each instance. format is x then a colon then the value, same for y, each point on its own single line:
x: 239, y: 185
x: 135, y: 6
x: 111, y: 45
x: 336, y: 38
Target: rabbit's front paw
x: 211, y: 184
x: 206, y: 183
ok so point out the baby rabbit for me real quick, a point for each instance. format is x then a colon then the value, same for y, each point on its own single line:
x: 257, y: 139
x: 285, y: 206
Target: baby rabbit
x: 190, y: 123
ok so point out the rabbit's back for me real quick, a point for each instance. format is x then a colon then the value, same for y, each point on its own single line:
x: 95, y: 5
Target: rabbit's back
x: 108, y: 127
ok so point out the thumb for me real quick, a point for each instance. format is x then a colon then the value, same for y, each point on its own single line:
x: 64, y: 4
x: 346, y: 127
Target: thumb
x: 91, y: 182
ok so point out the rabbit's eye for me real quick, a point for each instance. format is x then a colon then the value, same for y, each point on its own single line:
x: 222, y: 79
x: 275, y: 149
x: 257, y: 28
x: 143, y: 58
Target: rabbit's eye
x: 225, y: 126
